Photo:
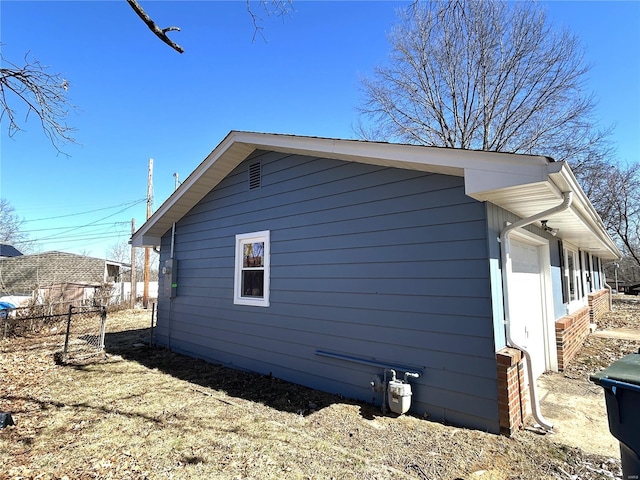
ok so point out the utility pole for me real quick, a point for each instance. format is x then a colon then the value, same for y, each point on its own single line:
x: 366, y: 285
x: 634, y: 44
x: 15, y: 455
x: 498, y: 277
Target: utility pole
x: 147, y: 251
x: 133, y: 266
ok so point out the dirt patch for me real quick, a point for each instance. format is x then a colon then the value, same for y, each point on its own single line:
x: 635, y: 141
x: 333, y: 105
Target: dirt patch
x: 575, y: 405
x: 141, y: 412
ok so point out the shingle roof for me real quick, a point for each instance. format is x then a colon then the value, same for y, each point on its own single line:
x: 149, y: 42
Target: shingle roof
x: 22, y: 274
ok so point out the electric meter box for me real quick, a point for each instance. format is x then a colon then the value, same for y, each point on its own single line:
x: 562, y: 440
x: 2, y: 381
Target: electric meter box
x: 170, y: 272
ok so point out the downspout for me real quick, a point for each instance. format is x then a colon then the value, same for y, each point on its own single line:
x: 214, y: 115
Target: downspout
x: 173, y: 239
x: 173, y: 227
x: 171, y: 254
x: 506, y: 267
x: 610, y: 295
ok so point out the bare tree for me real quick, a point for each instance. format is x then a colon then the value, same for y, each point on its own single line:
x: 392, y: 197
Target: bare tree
x: 30, y: 86
x: 11, y: 232
x: 487, y: 76
x: 495, y: 76
x: 615, y: 191
x: 121, y: 252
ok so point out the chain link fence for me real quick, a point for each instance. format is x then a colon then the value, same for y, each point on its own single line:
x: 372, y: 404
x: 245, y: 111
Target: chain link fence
x: 85, y: 332
x: 81, y: 329
x: 31, y: 320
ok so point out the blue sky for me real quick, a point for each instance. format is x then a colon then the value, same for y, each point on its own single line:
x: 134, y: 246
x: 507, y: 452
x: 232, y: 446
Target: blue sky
x: 138, y: 99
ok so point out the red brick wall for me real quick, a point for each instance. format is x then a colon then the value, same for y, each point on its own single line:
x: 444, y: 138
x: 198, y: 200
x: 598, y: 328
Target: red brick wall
x: 598, y: 304
x: 512, y: 393
x: 572, y: 330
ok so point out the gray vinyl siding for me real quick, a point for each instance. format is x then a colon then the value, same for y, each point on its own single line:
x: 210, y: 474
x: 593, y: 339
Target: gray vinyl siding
x: 372, y: 263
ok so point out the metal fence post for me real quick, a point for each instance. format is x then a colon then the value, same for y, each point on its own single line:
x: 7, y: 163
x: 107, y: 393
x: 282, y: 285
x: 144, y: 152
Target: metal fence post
x: 66, y: 338
x: 103, y: 326
x: 153, y: 311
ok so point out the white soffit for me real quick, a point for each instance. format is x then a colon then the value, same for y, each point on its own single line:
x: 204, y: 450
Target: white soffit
x: 579, y: 225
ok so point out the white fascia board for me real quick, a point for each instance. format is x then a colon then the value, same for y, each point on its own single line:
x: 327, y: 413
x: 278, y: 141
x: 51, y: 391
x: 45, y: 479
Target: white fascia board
x: 372, y: 153
x: 145, y: 241
x: 415, y: 157
x: 224, y: 158
x: 482, y: 180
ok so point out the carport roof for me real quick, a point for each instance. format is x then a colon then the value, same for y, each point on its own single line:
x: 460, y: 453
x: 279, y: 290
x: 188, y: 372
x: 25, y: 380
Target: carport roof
x: 521, y: 184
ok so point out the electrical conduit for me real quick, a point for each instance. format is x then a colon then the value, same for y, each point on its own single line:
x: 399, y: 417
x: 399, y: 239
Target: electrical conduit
x: 506, y: 268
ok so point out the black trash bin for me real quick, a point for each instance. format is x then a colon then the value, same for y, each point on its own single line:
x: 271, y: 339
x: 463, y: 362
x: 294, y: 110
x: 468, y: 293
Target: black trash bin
x: 621, y: 384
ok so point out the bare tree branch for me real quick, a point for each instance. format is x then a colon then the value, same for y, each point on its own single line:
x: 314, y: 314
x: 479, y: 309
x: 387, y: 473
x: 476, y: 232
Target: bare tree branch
x: 271, y: 7
x: 494, y: 75
x: 11, y: 232
x: 161, y: 33
x: 616, y: 194
x: 486, y: 75
x: 42, y: 93
x: 280, y: 8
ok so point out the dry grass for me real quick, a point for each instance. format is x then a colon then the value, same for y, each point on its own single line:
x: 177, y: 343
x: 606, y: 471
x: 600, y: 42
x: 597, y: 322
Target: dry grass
x: 142, y: 412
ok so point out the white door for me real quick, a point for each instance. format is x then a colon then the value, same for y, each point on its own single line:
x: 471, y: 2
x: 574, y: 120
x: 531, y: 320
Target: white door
x: 526, y: 303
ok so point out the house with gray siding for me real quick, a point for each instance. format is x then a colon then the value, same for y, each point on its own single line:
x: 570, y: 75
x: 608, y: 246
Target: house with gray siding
x: 329, y: 262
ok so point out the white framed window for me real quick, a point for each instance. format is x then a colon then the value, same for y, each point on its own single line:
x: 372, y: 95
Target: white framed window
x: 251, y: 279
x: 572, y: 278
x: 588, y: 273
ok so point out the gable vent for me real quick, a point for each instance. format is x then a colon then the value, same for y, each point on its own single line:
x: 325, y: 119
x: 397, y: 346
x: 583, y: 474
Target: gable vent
x: 255, y: 176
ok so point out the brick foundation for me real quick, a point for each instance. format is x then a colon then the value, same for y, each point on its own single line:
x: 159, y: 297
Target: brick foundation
x: 598, y: 305
x: 512, y: 393
x: 572, y: 330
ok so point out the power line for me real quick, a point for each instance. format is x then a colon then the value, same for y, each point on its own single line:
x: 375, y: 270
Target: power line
x: 128, y: 204
x: 72, y: 229
x: 74, y: 226
x: 80, y: 235
x: 85, y: 239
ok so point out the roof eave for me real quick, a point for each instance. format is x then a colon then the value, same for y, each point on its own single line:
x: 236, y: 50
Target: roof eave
x: 237, y: 146
x: 530, y: 193
x: 517, y: 183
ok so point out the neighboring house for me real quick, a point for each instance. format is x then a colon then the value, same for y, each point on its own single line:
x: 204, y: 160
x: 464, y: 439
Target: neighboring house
x: 325, y: 262
x: 8, y: 251
x: 56, y: 276
x: 630, y: 288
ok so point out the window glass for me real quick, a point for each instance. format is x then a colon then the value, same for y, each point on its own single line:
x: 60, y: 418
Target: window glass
x: 253, y: 283
x: 571, y: 268
x: 253, y: 254
x: 572, y: 275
